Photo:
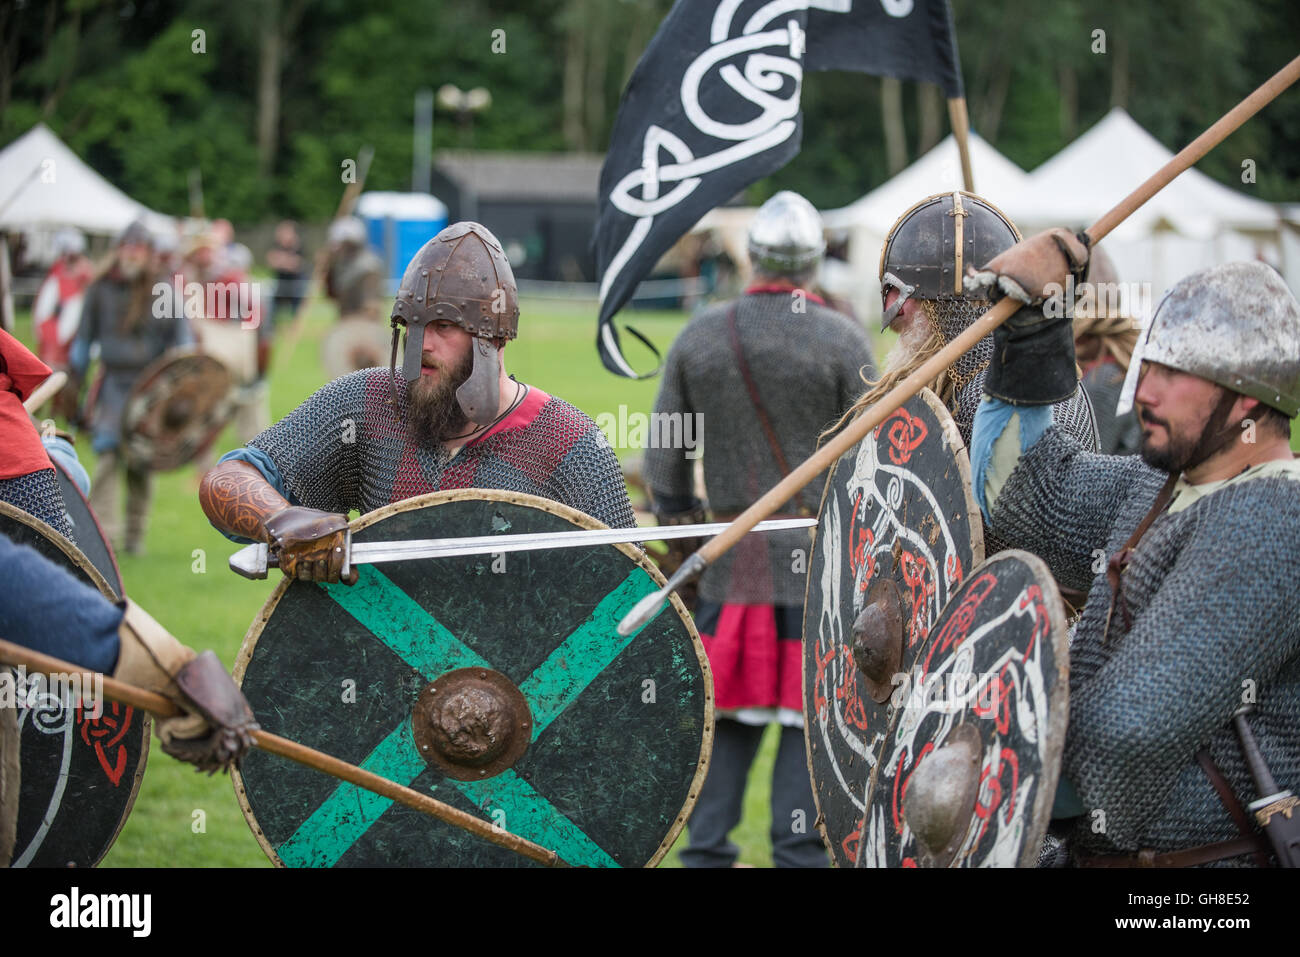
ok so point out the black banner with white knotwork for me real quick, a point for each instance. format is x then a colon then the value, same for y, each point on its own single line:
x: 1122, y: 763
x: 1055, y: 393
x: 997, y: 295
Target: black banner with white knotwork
x: 714, y: 105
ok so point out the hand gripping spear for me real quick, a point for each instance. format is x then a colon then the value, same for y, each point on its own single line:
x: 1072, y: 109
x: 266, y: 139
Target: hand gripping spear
x: 36, y: 663
x: 824, y: 457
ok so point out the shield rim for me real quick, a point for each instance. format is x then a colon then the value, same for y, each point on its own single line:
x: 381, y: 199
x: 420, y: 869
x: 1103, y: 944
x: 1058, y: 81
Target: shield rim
x: 108, y: 546
x: 582, y: 519
x: 1058, y: 712
x: 96, y: 577
x: 952, y: 437
x: 145, y: 377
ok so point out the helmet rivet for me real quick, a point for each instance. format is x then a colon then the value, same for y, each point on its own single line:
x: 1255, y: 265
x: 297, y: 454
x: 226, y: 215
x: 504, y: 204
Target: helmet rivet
x: 424, y: 272
x: 419, y: 298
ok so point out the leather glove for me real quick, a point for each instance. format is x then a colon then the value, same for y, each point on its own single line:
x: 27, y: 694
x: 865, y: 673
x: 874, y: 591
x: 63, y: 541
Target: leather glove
x: 309, y: 544
x: 216, y: 728
x: 1033, y: 351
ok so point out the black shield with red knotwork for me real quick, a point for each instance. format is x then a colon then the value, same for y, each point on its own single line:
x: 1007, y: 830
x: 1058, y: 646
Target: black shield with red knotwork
x: 897, y: 532
x: 969, y: 770
x: 81, y: 766
x: 177, y: 408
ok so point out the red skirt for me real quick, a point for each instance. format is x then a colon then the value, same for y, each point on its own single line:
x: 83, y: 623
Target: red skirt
x: 756, y: 653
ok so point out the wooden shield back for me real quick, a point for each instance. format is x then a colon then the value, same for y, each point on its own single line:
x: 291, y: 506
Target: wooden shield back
x: 615, y: 732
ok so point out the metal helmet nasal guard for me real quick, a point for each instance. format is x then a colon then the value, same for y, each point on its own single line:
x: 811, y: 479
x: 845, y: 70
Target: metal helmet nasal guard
x: 1237, y: 325
x: 786, y: 236
x: 927, y: 250
x: 460, y: 275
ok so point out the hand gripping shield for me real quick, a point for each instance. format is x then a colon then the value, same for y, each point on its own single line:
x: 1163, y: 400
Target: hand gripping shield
x: 177, y: 408
x: 968, y: 772
x: 498, y: 684
x: 898, y: 532
x: 80, y: 770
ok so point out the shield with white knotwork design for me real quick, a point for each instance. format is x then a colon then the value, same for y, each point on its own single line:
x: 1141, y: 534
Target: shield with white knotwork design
x: 969, y: 769
x: 495, y: 683
x: 897, y: 533
x: 80, y: 765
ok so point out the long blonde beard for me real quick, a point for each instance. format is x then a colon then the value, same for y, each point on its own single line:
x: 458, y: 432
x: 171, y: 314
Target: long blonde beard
x: 914, y: 347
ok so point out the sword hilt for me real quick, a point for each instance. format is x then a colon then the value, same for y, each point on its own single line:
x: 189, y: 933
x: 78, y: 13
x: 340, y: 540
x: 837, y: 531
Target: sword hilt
x: 254, y: 560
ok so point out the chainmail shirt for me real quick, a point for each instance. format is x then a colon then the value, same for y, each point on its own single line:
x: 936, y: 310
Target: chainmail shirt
x: 1215, y: 616
x: 347, y: 447
x: 806, y: 366
x: 37, y: 494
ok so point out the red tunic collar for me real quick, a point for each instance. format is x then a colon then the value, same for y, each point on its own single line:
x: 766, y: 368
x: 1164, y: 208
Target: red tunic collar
x: 522, y: 415
x: 782, y: 287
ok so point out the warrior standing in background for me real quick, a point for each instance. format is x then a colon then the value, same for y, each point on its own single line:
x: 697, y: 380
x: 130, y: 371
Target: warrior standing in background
x: 766, y: 373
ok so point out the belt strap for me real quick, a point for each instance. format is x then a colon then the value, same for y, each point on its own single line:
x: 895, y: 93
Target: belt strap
x: 1119, y: 561
x: 1189, y: 857
x: 763, y: 420
x: 1233, y: 806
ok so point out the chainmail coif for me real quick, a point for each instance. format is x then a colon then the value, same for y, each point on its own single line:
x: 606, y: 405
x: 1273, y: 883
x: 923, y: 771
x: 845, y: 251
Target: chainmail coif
x: 347, y: 447
x: 806, y: 366
x: 1215, y: 618
x: 38, y: 494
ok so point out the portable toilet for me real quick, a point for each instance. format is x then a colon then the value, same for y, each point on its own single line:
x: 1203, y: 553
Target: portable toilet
x: 398, y: 224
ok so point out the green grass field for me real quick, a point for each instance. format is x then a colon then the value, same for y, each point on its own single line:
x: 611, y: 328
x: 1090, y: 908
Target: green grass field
x: 182, y: 579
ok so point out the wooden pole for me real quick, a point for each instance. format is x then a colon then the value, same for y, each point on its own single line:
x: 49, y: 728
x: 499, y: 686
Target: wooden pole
x: 114, y: 690
x: 856, y: 430
x: 960, y: 121
x: 321, y: 265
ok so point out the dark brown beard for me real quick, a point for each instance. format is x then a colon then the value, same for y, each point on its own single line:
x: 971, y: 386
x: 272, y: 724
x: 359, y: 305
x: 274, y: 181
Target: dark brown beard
x: 434, y: 415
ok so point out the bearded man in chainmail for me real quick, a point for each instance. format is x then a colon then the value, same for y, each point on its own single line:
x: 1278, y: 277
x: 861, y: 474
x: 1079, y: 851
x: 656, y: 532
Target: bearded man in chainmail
x: 1196, y: 612
x: 766, y: 373
x: 451, y: 419
x: 921, y: 267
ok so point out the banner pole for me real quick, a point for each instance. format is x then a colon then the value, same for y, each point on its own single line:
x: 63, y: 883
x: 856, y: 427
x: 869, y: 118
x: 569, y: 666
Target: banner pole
x: 960, y: 120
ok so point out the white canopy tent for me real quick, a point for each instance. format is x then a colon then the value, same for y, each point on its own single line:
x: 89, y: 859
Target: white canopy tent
x: 1192, y: 223
x: 44, y: 186
x: 865, y: 222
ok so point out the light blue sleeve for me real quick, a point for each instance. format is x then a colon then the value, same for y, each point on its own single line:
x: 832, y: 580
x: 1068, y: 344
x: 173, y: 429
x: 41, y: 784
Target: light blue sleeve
x: 992, y: 418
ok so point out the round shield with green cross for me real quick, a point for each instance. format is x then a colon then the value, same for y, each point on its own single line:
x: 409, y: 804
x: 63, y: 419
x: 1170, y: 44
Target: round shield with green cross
x: 497, y: 683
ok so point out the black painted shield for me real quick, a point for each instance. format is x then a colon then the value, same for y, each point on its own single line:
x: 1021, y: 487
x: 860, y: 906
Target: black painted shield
x: 605, y: 750
x: 86, y: 531
x: 969, y: 771
x: 80, y: 771
x: 897, y: 519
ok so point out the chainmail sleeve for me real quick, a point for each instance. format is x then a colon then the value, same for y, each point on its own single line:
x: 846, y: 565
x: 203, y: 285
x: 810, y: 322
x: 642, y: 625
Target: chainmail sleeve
x: 589, y: 479
x: 1060, y: 503
x: 319, y: 448
x: 669, y: 474
x: 1216, y: 614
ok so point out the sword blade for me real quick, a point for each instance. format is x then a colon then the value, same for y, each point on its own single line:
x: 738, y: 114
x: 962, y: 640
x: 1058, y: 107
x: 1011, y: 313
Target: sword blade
x: 373, y: 552
x: 253, y: 561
